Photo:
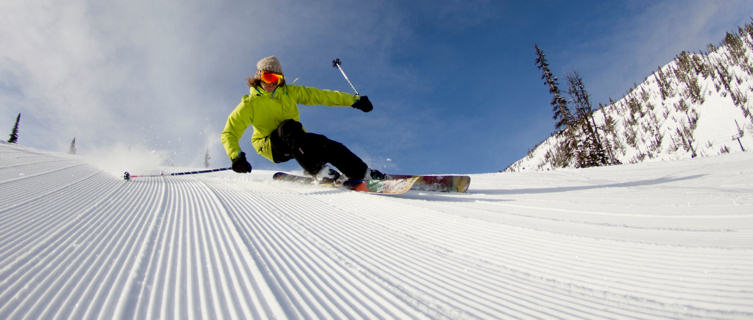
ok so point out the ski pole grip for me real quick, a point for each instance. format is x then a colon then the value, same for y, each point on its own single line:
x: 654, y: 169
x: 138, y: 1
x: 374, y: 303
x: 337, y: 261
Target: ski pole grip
x: 337, y: 64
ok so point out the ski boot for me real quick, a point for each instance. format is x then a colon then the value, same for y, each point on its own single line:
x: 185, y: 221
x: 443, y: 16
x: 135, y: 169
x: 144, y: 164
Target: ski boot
x: 328, y: 175
x: 373, y: 174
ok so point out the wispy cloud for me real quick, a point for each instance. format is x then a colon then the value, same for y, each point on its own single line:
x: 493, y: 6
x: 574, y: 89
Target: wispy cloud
x: 100, y: 74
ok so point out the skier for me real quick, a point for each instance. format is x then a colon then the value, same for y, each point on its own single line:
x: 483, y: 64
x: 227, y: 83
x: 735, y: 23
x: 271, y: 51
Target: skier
x: 271, y: 109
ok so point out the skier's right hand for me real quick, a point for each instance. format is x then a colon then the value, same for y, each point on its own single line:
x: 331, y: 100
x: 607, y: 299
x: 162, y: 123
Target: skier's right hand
x: 240, y: 165
x: 363, y: 104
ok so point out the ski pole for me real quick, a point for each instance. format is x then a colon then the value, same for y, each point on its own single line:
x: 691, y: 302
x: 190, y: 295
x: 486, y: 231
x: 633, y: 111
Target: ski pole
x: 336, y: 64
x: 128, y: 176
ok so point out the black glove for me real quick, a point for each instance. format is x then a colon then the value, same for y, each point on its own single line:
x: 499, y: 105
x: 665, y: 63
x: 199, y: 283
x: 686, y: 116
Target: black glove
x: 363, y: 104
x: 240, y: 165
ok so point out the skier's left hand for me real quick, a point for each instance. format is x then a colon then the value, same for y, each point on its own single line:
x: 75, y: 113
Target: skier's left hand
x: 363, y: 104
x: 240, y: 164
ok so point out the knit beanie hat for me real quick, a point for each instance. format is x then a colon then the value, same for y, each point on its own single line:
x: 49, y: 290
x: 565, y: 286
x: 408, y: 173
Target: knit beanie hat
x: 269, y: 64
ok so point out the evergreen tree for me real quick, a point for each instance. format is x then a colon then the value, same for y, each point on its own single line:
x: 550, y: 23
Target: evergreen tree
x: 14, y: 133
x: 206, y: 159
x: 562, y: 114
x: 594, y: 154
x: 664, y: 87
x: 72, y: 150
x: 568, y: 148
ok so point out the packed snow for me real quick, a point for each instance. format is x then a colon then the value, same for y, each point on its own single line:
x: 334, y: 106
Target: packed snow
x: 652, y: 240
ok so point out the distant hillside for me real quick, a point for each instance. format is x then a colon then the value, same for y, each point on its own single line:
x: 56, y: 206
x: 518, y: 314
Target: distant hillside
x: 699, y: 104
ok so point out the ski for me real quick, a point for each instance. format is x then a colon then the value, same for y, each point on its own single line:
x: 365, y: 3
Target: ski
x: 386, y: 186
x: 437, y: 183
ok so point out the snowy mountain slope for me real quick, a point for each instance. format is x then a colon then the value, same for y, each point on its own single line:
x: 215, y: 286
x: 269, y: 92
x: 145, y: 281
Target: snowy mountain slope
x: 697, y: 105
x: 665, y: 239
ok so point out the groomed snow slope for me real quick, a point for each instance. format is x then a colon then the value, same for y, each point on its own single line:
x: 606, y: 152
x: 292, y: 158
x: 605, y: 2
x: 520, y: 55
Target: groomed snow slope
x: 658, y: 240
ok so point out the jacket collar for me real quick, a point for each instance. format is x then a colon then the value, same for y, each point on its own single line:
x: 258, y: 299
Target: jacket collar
x: 260, y: 92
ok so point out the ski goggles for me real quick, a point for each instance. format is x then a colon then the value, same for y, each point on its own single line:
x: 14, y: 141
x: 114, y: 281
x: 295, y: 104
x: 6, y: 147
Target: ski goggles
x: 271, y: 77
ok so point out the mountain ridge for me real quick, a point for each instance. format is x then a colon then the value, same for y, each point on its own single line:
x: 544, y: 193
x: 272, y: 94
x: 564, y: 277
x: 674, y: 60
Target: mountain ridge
x: 699, y: 104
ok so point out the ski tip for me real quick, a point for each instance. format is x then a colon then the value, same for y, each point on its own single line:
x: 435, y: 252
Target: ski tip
x: 463, y: 183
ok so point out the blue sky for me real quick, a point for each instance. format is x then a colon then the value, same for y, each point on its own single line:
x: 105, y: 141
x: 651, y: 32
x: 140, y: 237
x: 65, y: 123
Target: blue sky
x: 454, y: 83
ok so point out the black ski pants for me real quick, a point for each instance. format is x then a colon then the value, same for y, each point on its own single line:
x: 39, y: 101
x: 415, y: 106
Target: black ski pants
x: 312, y: 151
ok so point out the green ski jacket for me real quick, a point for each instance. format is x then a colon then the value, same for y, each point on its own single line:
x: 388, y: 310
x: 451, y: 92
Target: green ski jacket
x: 264, y: 111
